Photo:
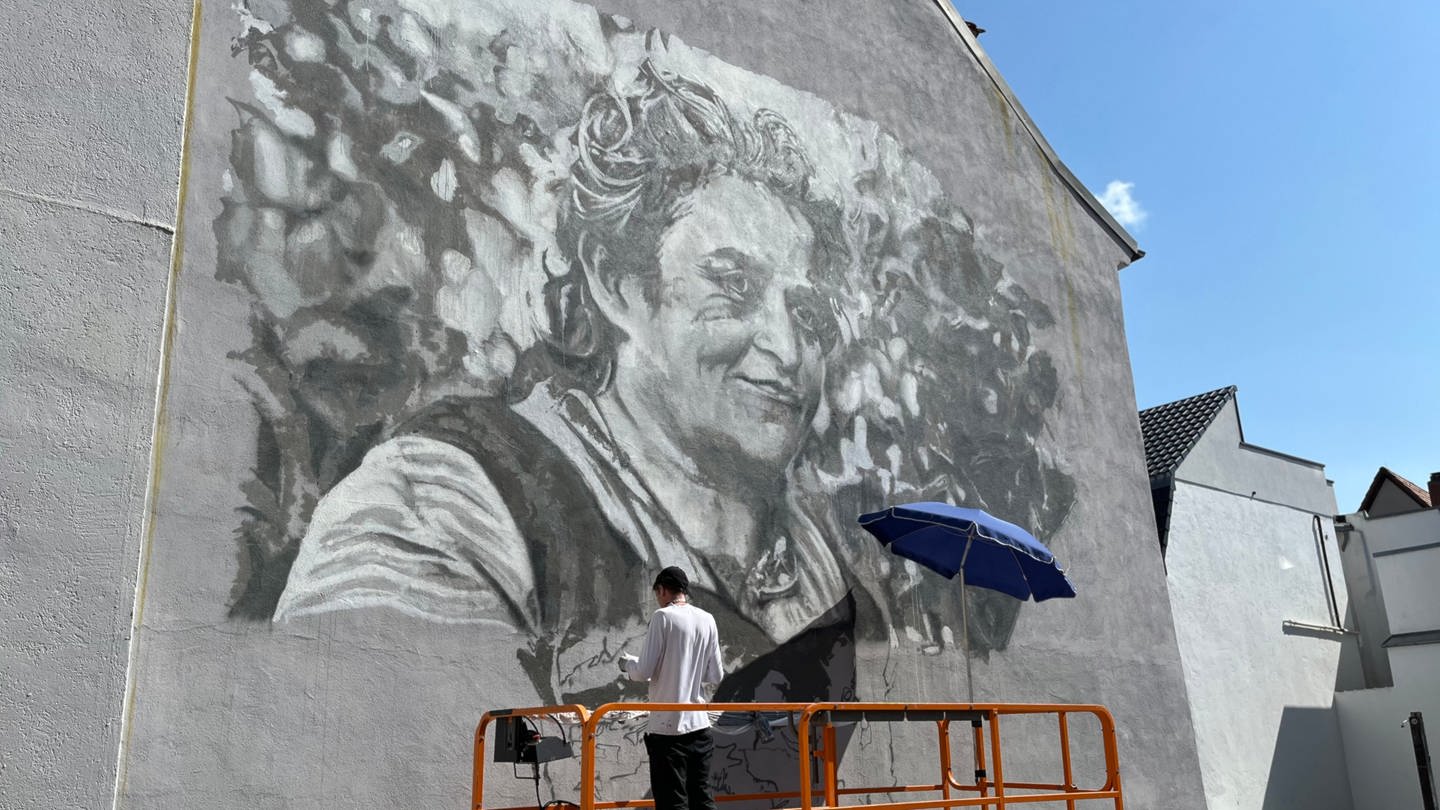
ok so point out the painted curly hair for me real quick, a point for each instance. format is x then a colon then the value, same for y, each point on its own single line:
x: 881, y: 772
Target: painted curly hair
x: 640, y: 155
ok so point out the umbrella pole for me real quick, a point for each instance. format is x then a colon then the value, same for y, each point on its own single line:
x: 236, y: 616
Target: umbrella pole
x: 965, y: 634
x: 965, y: 613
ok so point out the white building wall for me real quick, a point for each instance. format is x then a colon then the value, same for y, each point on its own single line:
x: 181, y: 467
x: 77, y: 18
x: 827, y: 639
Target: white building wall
x: 1413, y: 577
x: 90, y: 104
x: 1380, y: 756
x: 1222, y: 459
x: 1406, y: 553
x: 1419, y: 666
x: 1396, y: 533
x: 1366, y: 615
x: 1261, y: 697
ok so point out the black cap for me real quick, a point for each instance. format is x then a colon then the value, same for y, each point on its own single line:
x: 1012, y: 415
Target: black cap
x: 673, y: 578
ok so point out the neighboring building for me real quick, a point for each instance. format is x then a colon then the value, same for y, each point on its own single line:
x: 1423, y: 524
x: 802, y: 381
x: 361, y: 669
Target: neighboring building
x: 1248, y: 554
x: 1391, y: 553
x: 1393, y: 494
x: 470, y: 315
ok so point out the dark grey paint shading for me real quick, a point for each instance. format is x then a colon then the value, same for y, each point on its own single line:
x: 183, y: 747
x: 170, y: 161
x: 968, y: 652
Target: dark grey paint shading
x: 348, y: 349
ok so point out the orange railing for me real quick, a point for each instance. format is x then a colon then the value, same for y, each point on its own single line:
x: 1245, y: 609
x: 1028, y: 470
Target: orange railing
x: 990, y: 788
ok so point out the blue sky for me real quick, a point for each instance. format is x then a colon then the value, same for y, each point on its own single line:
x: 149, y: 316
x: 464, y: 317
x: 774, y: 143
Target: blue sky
x: 1287, y: 158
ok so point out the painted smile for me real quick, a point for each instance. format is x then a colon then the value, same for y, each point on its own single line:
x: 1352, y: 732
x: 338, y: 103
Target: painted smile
x: 781, y: 391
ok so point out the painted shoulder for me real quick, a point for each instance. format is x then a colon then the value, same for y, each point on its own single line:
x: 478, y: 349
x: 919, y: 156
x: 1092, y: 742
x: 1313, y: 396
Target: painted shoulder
x: 419, y: 527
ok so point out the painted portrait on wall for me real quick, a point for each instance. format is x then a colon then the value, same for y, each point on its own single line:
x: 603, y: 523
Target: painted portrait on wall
x: 544, y: 300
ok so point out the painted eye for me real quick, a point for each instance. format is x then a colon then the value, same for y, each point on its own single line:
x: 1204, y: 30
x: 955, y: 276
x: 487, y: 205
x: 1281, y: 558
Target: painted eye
x: 729, y: 278
x: 736, y: 285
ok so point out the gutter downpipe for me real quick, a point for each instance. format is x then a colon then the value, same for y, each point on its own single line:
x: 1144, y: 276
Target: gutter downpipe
x: 1330, y: 601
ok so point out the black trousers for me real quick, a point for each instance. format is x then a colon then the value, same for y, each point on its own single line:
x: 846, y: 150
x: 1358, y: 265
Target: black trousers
x: 680, y: 770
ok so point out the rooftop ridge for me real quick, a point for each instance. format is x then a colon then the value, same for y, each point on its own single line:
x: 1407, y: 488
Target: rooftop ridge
x: 1170, y: 430
x: 1420, y: 496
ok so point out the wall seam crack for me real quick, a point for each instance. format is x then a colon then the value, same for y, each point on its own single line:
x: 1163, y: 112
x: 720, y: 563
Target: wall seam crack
x: 121, y: 216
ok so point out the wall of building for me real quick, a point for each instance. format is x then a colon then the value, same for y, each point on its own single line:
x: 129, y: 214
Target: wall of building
x: 92, y: 101
x: 374, y: 226
x: 1367, y: 613
x: 1405, y: 553
x: 1222, y: 459
x: 1380, y: 754
x: 1397, y: 557
x: 1391, y: 500
x: 1395, y: 534
x: 1260, y: 695
x: 1413, y: 573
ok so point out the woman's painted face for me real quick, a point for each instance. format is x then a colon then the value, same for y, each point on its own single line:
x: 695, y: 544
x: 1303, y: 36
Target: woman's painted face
x: 728, y: 360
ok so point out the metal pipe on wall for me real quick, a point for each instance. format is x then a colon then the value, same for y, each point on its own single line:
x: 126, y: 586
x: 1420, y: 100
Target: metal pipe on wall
x: 1330, y: 600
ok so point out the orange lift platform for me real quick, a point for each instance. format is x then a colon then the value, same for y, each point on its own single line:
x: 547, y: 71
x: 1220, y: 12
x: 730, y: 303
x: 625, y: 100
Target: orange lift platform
x: 819, y: 754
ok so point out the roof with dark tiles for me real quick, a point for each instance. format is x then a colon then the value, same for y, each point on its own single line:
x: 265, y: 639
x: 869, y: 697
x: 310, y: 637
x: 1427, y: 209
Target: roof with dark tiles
x: 1170, y: 430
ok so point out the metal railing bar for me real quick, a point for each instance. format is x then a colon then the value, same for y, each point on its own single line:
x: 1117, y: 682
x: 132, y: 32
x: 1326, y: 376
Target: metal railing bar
x: 831, y: 715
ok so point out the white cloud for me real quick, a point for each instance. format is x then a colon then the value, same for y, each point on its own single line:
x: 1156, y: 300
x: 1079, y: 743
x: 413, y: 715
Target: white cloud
x: 1121, y: 205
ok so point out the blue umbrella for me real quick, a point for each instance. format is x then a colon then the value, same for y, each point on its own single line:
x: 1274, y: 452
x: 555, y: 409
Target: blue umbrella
x: 981, y: 548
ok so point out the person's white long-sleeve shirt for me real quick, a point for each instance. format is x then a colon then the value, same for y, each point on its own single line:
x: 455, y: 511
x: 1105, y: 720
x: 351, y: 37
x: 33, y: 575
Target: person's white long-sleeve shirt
x: 680, y: 657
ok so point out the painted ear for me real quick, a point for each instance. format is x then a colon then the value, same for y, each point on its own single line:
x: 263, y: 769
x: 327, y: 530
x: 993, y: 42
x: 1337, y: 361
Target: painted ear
x: 603, y: 287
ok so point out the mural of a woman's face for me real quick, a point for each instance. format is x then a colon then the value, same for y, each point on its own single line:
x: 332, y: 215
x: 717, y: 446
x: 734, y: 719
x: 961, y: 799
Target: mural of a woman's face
x: 728, y: 359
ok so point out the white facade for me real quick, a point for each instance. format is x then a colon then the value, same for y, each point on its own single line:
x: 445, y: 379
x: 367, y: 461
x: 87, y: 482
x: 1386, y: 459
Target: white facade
x: 1254, y: 620
x: 1398, y: 559
x: 1260, y: 695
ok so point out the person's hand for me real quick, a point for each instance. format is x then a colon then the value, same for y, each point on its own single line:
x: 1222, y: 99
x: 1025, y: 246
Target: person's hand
x: 625, y: 660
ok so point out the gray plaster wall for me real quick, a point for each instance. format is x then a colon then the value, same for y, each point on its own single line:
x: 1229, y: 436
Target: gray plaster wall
x: 1261, y: 696
x: 91, y: 107
x: 352, y: 705
x: 1379, y: 751
x: 1389, y: 558
x: 1366, y: 615
x: 1222, y: 459
x: 1394, y: 559
x: 1393, y: 534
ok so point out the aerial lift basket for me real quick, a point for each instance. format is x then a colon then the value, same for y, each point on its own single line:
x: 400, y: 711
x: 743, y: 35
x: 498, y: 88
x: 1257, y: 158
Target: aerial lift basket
x: 819, y: 754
